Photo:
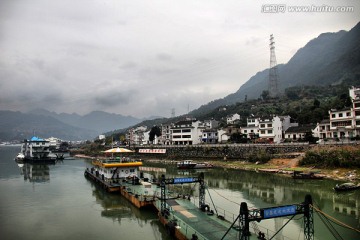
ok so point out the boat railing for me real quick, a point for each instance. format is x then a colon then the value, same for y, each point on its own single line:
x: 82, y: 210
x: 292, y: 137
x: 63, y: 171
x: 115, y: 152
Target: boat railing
x: 229, y: 216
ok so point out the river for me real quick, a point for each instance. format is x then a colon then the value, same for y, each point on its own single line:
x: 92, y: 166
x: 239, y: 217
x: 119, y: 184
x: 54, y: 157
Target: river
x: 58, y: 202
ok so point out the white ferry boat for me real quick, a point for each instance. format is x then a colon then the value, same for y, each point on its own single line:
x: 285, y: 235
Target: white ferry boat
x: 36, y: 150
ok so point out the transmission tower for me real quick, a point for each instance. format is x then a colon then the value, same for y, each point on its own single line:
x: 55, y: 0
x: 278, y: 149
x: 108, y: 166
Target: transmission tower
x: 173, y: 112
x: 273, y: 73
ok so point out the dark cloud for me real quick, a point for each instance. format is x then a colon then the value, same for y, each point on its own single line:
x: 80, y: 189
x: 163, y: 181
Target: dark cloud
x: 78, y: 56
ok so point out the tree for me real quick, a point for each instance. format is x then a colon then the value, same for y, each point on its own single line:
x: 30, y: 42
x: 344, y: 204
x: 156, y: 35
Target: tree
x: 155, y: 131
x: 265, y: 95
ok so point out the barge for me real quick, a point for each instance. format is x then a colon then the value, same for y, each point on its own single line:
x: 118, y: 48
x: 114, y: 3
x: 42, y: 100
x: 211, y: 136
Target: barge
x: 122, y: 175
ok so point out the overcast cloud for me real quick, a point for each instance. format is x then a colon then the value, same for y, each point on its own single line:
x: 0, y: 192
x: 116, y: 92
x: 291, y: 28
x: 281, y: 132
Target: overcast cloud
x: 143, y: 57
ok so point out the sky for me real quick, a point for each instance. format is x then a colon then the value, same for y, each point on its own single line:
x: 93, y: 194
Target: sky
x: 146, y: 57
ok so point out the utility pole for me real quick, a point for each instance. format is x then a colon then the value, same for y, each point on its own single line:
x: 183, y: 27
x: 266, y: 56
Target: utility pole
x: 273, y: 72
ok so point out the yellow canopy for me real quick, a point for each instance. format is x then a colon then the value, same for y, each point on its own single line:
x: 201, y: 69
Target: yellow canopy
x: 118, y: 150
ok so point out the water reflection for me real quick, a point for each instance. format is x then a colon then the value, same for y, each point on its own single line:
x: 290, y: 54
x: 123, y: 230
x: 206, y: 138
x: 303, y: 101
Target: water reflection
x: 119, y: 209
x: 37, y: 173
x: 230, y: 187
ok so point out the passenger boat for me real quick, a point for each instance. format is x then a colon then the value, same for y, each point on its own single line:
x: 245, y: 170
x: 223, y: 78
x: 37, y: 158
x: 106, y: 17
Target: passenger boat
x: 123, y: 175
x: 346, y: 187
x: 36, y: 150
x: 307, y: 175
x: 189, y: 164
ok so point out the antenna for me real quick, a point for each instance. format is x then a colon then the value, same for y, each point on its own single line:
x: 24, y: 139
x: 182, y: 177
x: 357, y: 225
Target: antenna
x: 273, y: 72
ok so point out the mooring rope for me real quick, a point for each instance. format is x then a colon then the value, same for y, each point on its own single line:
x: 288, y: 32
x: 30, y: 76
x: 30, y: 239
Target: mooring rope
x: 335, y: 220
x: 225, y: 197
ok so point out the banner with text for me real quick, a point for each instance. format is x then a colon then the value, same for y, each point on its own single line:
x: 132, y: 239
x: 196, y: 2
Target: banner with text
x: 152, y: 150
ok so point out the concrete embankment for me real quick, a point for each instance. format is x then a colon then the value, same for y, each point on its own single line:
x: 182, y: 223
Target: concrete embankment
x: 231, y: 151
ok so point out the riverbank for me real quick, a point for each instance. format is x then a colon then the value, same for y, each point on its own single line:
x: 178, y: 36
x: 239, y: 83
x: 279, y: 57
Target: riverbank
x: 276, y: 166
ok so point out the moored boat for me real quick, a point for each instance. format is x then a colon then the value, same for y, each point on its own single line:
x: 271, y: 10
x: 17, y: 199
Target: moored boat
x: 306, y: 175
x: 36, y: 150
x: 123, y: 175
x: 346, y: 187
x: 189, y: 164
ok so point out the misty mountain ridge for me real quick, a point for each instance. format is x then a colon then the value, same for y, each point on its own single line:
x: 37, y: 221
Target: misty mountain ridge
x: 19, y: 126
x: 44, y: 123
x: 329, y: 59
x: 326, y: 60
x: 98, y: 121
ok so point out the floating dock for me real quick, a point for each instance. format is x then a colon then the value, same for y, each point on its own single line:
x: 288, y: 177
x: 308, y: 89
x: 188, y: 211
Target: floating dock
x: 97, y: 178
x: 141, y: 194
x: 184, y: 220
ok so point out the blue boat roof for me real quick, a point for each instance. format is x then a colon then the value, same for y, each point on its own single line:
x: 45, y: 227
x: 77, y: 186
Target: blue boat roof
x: 34, y: 139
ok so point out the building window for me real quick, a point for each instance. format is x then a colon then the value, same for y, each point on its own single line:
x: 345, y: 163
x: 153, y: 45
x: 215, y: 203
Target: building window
x: 333, y: 115
x: 341, y: 124
x: 270, y: 131
x: 340, y: 115
x: 348, y: 114
x: 262, y: 131
x: 262, y: 125
x: 269, y: 125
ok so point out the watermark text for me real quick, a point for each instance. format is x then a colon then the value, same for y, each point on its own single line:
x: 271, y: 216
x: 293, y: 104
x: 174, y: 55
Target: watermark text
x: 282, y: 8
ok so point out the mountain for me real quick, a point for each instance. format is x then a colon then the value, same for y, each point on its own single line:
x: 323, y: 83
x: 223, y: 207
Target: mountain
x: 326, y: 60
x: 97, y: 121
x: 19, y: 126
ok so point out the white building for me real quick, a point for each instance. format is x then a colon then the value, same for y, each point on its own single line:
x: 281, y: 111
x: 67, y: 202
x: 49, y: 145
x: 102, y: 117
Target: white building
x: 136, y: 136
x: 298, y: 132
x: 231, y: 119
x: 322, y: 130
x: 166, y: 136
x: 186, y: 132
x: 273, y: 128
x: 341, y: 123
x: 223, y: 136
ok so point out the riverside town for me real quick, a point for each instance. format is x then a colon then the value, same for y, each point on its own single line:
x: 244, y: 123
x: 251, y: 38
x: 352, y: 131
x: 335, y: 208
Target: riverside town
x: 165, y: 120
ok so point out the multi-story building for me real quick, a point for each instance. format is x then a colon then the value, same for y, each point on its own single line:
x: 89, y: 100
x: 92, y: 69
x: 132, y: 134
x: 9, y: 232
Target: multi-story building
x: 273, y: 129
x: 186, y: 132
x: 252, y: 128
x: 210, y: 136
x: 341, y: 123
x: 136, y: 136
x: 165, y: 138
x: 354, y: 94
x: 322, y: 129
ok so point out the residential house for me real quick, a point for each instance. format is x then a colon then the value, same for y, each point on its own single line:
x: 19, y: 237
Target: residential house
x: 297, y: 133
x: 210, y: 136
x: 322, y: 129
x: 252, y: 128
x: 234, y: 118
x: 136, y: 136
